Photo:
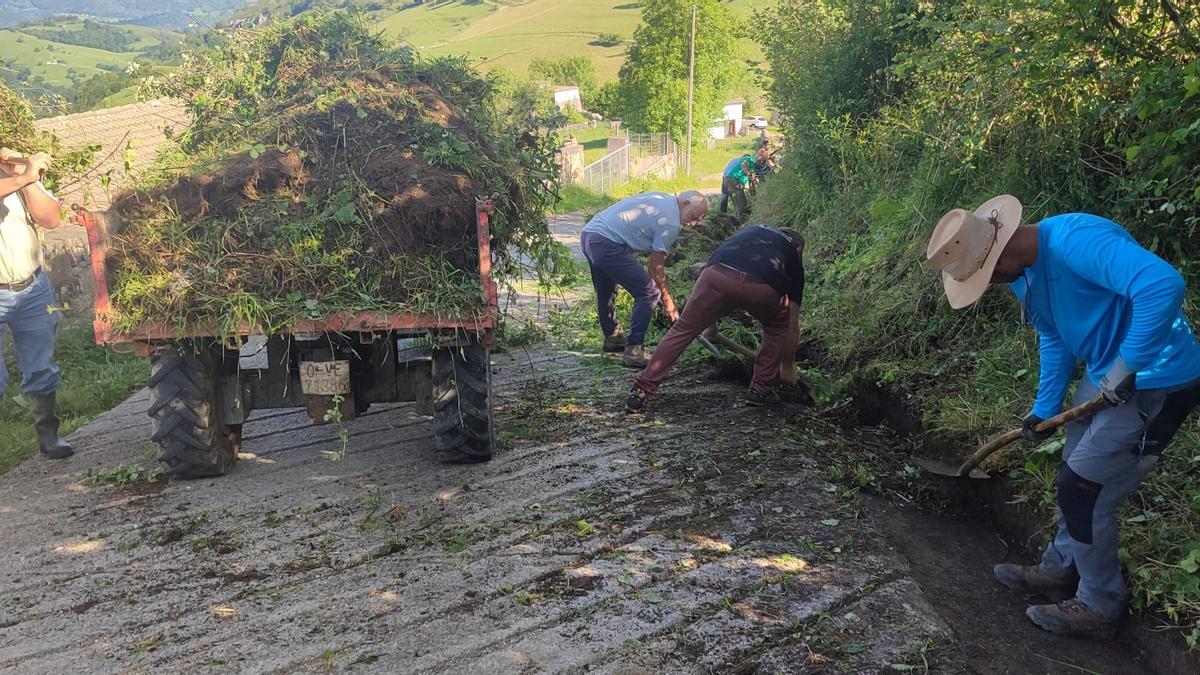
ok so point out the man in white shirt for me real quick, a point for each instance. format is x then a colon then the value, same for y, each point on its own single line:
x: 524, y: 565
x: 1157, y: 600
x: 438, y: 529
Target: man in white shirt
x: 645, y: 223
x: 27, y: 305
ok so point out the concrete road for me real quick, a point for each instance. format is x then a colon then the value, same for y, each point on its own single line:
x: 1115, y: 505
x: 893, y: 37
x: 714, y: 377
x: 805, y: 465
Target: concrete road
x: 704, y: 536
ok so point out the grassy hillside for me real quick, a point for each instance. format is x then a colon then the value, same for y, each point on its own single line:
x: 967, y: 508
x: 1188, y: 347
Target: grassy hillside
x: 53, y: 61
x: 511, y: 33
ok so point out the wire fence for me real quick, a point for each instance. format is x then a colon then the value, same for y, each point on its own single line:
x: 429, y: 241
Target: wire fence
x: 653, y: 145
x: 616, y: 168
x: 608, y: 172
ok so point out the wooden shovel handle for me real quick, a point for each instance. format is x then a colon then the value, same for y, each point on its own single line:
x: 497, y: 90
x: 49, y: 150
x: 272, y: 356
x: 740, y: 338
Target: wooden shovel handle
x: 23, y: 161
x: 715, y: 336
x: 1090, y: 408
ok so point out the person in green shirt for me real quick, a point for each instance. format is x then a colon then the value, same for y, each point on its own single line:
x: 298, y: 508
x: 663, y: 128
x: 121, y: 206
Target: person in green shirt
x: 738, y: 176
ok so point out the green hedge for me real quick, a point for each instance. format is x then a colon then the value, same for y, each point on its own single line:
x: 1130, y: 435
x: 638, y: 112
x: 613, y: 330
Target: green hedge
x: 899, y: 111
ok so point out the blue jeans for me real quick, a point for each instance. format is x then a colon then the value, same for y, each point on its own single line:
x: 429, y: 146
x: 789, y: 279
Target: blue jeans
x: 1103, y: 463
x: 32, y: 316
x: 613, y: 265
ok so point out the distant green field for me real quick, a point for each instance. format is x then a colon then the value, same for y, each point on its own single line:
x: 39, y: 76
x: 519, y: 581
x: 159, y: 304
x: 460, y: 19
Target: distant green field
x: 53, y: 60
x: 511, y: 34
x: 143, y: 37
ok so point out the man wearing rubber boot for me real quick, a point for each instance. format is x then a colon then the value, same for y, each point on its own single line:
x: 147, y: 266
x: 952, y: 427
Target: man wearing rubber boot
x: 645, y: 223
x: 738, y: 177
x: 1094, y: 295
x: 27, y: 306
x: 760, y: 270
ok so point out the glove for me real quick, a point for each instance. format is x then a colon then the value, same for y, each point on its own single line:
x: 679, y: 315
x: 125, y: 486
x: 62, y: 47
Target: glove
x: 1029, y: 429
x: 1119, y: 384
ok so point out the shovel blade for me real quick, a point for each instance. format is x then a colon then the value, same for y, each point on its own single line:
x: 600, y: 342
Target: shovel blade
x: 943, y: 469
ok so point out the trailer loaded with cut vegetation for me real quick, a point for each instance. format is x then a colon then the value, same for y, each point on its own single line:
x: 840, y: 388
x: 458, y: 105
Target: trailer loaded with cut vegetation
x: 340, y: 196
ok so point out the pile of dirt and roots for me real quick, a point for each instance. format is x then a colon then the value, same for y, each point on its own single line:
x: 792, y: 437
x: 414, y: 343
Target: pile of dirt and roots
x: 327, y: 171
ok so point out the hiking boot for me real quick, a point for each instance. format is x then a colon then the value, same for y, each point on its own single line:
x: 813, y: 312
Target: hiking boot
x: 1032, y: 580
x: 1072, y: 617
x: 636, y: 400
x: 759, y: 397
x: 635, y: 356
x: 45, y: 422
x: 615, y: 343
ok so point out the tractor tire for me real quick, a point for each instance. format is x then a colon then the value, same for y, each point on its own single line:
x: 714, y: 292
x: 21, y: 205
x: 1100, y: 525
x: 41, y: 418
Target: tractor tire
x: 462, y: 403
x: 192, y: 441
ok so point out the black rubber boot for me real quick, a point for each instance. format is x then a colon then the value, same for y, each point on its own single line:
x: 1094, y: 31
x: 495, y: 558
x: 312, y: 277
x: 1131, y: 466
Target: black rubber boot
x: 46, y: 424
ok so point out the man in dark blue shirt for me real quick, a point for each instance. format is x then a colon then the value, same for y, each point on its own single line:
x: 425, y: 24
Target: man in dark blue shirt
x: 760, y: 270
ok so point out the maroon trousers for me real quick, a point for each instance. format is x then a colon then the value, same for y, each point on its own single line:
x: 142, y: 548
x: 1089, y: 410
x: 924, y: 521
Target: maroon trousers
x: 719, y: 291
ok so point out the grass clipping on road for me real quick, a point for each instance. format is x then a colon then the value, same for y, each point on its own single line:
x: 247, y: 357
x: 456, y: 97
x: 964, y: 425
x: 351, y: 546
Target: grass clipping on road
x: 328, y: 171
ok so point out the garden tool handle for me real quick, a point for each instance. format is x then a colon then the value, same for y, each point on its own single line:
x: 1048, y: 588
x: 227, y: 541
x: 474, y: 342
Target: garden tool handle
x: 1084, y: 410
x: 715, y: 336
x: 23, y: 161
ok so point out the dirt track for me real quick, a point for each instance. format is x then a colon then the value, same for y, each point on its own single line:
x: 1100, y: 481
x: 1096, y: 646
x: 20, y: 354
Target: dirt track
x: 698, y: 538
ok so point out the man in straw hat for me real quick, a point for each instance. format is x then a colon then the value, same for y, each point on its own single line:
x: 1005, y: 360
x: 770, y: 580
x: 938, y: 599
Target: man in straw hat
x: 1094, y: 295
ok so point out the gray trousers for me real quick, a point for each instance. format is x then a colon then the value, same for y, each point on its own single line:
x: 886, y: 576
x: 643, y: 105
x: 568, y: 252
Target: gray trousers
x: 1103, y: 462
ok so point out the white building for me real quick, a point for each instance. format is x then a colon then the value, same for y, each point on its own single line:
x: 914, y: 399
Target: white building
x: 567, y: 98
x: 730, y: 123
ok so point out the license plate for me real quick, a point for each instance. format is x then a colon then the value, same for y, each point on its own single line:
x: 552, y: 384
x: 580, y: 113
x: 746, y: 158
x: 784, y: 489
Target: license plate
x: 325, y: 378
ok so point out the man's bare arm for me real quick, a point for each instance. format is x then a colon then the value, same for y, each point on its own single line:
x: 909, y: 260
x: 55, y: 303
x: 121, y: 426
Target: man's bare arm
x: 658, y: 272
x: 45, y: 210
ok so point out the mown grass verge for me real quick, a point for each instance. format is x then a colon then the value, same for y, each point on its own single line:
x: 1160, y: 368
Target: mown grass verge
x: 94, y: 379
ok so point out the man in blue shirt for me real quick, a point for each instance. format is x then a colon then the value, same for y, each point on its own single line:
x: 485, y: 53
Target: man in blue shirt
x: 1094, y: 295
x: 645, y: 223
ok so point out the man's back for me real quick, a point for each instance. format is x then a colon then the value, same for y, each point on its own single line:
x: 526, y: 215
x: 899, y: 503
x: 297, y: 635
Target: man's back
x: 646, y: 222
x: 1104, y: 296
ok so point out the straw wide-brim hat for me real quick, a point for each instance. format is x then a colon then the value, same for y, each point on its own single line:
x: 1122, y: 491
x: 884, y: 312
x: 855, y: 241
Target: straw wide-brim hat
x: 965, y: 246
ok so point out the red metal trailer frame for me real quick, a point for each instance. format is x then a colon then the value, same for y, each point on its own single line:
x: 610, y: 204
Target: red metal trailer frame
x: 144, y: 335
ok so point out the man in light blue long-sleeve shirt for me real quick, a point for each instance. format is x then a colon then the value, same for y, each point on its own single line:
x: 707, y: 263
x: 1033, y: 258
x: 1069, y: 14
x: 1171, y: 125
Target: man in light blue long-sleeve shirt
x: 1094, y: 295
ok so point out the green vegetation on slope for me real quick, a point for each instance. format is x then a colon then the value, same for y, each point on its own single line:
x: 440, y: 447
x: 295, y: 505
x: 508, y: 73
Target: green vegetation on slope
x: 902, y: 110
x: 512, y: 34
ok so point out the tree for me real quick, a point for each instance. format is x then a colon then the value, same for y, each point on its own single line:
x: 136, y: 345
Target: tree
x: 567, y: 70
x: 654, y: 78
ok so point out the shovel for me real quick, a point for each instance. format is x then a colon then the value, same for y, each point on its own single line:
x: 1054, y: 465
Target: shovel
x: 968, y: 468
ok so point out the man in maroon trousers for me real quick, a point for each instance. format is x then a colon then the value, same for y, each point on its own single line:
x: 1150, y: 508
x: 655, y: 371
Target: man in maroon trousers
x: 759, y: 269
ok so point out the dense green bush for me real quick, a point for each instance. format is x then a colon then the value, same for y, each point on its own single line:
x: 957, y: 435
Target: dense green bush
x: 900, y: 110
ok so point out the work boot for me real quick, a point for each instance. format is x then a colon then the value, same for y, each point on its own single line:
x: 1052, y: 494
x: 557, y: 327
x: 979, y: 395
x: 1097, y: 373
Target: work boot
x: 1032, y: 580
x: 1072, y: 617
x: 635, y: 356
x: 636, y: 400
x: 615, y: 343
x: 759, y: 397
x: 46, y: 424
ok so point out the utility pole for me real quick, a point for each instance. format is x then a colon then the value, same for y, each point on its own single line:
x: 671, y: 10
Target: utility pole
x: 691, y: 86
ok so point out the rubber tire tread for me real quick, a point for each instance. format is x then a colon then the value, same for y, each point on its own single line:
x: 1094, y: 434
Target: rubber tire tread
x: 192, y: 444
x: 462, y: 403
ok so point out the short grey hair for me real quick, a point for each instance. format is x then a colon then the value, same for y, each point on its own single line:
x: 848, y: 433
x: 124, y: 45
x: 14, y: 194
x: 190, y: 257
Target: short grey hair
x: 692, y: 201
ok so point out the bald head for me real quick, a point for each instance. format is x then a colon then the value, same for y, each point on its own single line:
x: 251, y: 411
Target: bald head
x: 692, y: 207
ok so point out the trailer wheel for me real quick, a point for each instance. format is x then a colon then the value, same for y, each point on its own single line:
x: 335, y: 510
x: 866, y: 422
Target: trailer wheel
x: 462, y: 403
x: 192, y: 441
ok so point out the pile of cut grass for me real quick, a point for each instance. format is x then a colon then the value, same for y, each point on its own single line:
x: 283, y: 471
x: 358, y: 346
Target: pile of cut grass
x: 328, y: 172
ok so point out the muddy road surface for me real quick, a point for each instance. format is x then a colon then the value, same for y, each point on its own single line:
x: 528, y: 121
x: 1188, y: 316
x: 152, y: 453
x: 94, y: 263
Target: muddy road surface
x: 703, y: 536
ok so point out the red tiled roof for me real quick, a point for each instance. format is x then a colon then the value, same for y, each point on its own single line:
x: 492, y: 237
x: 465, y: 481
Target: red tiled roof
x: 113, y: 129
